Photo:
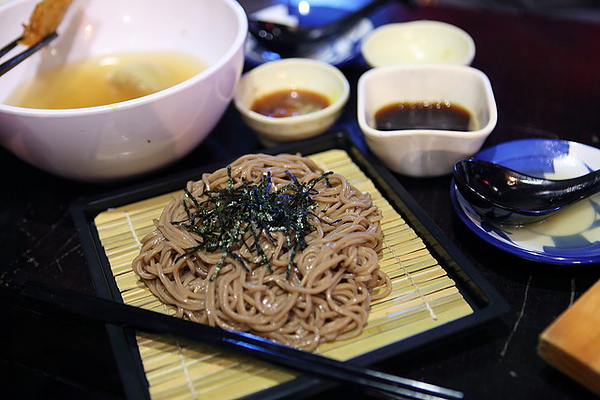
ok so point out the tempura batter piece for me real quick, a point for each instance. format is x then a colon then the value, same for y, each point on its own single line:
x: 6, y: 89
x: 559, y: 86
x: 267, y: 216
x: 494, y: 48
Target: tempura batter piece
x: 44, y: 20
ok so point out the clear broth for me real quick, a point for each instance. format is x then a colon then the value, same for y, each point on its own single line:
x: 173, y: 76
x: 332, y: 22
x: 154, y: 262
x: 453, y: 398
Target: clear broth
x: 106, y: 80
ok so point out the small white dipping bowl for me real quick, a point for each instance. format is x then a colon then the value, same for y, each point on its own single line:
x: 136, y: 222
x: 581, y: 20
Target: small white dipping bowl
x: 425, y: 152
x: 418, y: 42
x: 292, y: 74
x: 125, y: 139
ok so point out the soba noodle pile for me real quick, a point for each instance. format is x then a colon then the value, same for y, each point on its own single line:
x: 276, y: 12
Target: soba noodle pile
x: 322, y: 294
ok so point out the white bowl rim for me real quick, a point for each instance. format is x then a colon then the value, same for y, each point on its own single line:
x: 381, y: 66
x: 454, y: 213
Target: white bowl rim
x: 406, y: 25
x: 333, y: 107
x: 418, y: 23
x: 484, y: 130
x: 210, y: 70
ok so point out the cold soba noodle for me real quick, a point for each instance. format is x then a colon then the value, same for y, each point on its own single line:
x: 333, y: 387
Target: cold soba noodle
x: 309, y: 283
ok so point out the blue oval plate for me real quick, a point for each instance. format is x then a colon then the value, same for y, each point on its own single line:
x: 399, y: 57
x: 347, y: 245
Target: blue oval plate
x: 570, y: 237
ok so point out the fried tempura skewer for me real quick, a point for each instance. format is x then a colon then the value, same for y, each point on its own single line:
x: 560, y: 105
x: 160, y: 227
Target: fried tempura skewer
x: 44, y: 20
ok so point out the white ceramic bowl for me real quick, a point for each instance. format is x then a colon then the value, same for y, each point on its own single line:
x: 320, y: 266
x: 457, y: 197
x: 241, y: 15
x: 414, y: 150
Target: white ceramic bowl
x: 425, y: 152
x: 292, y: 74
x: 129, y: 138
x: 418, y: 42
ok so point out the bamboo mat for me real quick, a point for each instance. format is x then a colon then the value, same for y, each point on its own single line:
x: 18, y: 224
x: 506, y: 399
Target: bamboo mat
x: 423, y: 297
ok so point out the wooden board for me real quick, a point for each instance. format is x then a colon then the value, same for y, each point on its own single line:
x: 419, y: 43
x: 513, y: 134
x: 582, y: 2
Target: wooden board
x: 572, y: 342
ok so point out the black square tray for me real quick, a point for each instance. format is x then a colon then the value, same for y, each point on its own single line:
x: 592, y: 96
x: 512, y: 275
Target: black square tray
x: 486, y: 302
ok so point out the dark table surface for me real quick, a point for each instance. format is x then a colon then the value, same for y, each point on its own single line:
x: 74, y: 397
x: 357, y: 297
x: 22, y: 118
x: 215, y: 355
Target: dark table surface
x: 546, y: 78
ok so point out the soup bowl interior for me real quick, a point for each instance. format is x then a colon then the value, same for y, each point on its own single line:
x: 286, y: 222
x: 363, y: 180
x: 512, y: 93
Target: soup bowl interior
x: 132, y: 137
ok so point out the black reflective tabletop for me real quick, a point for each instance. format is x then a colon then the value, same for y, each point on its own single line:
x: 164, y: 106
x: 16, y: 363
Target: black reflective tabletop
x: 546, y: 78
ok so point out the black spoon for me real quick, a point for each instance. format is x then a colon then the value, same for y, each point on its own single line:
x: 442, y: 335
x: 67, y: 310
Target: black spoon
x: 285, y: 39
x: 505, y: 196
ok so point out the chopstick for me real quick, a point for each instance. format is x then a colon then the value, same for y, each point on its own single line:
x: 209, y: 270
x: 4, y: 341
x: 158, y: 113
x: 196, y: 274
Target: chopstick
x: 127, y: 316
x: 9, y: 47
x: 19, y: 58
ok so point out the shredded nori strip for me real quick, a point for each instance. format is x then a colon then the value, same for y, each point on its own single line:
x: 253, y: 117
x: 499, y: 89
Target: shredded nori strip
x: 222, y: 218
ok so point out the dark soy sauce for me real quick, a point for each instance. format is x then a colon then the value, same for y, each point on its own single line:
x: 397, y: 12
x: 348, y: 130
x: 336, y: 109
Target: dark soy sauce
x: 289, y: 103
x: 423, y: 115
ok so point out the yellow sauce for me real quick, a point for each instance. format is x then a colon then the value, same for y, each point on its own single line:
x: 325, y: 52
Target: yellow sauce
x: 107, y: 80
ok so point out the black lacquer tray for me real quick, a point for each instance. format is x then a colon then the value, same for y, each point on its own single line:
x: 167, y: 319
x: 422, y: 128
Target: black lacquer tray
x: 463, y: 281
